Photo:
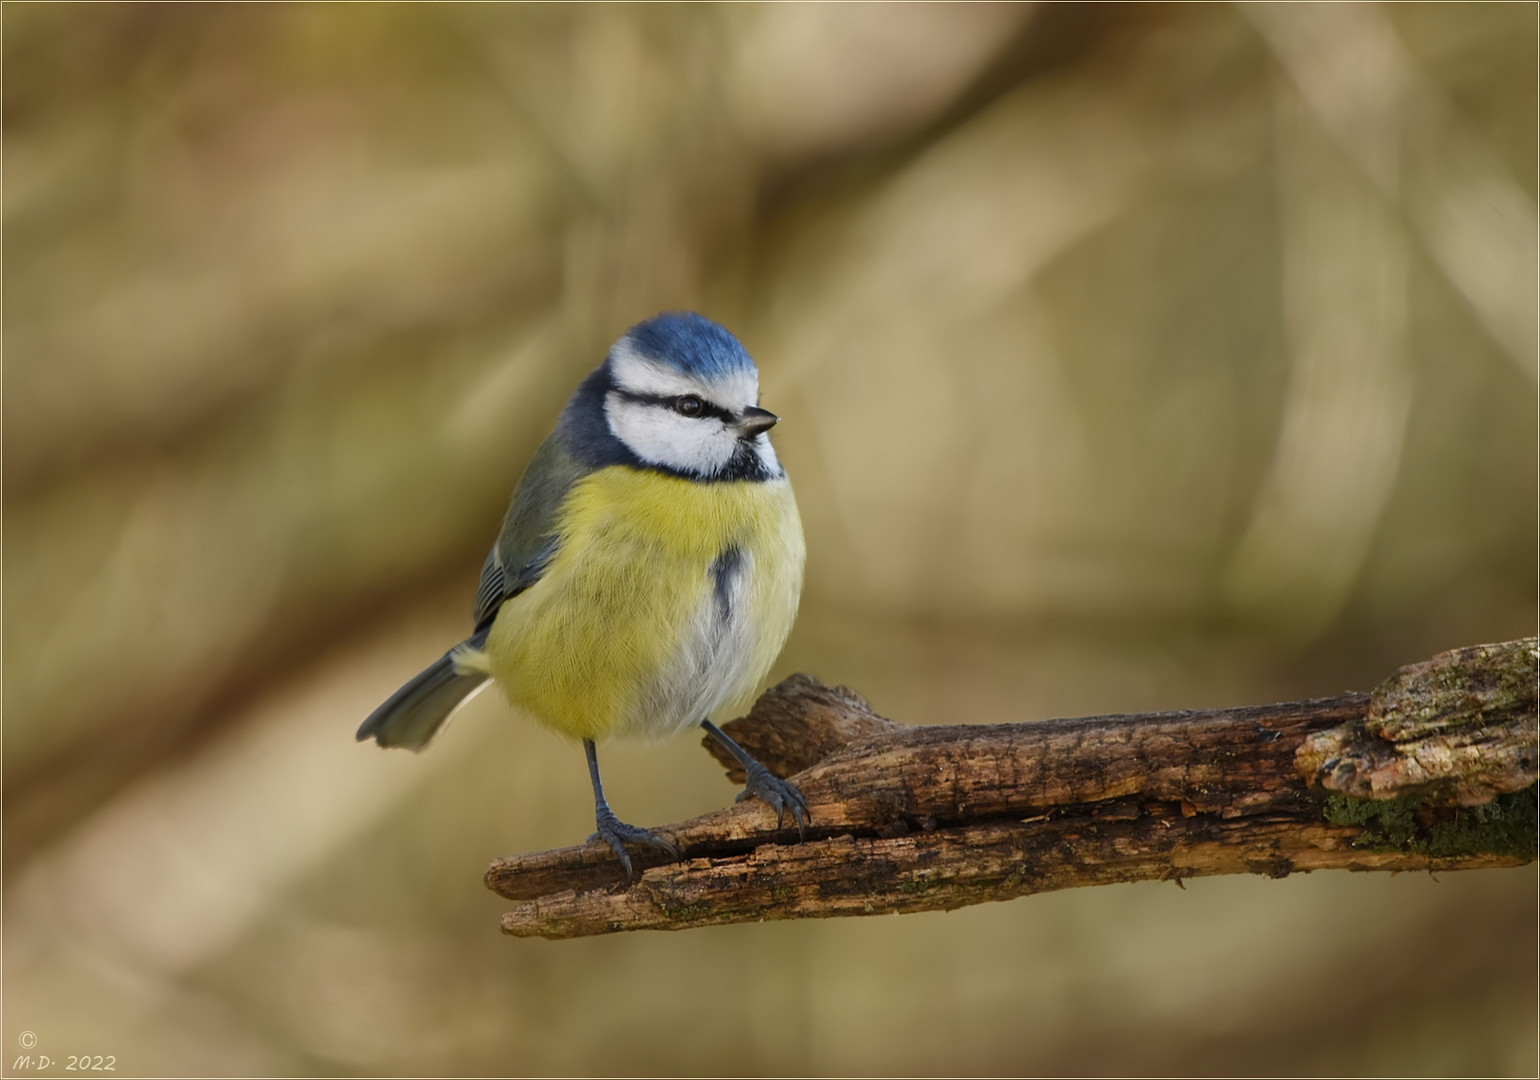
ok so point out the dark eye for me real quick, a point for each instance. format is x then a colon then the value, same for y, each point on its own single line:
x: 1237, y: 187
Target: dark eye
x: 689, y: 405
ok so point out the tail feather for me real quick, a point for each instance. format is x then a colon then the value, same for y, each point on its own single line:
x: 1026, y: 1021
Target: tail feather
x: 413, y: 714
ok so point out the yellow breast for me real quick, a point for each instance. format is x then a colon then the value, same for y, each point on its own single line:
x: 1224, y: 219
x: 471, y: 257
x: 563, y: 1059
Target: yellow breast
x: 630, y: 630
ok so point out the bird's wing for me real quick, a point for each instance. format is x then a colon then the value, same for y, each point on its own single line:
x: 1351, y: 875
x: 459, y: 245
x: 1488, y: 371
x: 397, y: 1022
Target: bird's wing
x: 528, y: 540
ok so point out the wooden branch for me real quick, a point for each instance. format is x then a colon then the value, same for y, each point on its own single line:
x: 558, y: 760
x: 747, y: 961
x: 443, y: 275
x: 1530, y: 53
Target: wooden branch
x: 1434, y: 770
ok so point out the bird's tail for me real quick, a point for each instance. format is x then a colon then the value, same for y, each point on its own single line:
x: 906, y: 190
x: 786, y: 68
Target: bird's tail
x: 414, y: 713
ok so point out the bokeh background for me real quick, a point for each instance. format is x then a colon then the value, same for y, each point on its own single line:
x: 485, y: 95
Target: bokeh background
x: 1132, y: 357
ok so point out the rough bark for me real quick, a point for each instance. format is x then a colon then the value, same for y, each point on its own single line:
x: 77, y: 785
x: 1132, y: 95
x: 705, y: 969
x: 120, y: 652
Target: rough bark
x: 1433, y: 770
x: 1458, y: 729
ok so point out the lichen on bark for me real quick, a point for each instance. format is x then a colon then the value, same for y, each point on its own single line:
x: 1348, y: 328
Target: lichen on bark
x: 1504, y: 826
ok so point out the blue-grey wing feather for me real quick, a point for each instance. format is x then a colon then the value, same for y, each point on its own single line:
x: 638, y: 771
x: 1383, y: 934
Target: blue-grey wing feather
x: 529, y: 539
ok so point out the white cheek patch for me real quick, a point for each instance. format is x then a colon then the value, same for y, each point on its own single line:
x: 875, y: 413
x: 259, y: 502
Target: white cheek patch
x: 636, y: 374
x: 660, y: 436
x: 767, y: 456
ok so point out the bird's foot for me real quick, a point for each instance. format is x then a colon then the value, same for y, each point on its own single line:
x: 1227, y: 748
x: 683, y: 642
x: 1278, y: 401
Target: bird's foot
x: 778, y: 794
x: 617, y: 834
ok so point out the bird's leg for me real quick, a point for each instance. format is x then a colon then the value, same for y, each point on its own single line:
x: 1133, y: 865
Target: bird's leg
x: 614, y: 832
x: 763, y: 784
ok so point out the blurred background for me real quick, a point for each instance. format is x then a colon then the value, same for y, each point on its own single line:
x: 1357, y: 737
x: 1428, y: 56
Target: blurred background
x: 1132, y: 357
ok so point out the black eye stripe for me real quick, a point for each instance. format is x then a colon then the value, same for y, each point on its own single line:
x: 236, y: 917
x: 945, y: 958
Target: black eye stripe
x: 707, y: 408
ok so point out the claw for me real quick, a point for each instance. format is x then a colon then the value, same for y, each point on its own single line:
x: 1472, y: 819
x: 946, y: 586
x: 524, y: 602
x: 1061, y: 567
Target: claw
x: 779, y: 795
x: 617, y: 834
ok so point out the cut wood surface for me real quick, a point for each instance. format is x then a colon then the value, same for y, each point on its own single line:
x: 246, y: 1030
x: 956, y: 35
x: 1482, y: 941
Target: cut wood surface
x: 1434, y: 770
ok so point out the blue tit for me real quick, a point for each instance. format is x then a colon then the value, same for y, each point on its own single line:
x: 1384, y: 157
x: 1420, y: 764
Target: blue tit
x: 648, y: 568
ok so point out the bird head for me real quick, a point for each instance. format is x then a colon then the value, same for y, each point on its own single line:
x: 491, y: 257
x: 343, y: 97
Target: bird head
x: 682, y: 394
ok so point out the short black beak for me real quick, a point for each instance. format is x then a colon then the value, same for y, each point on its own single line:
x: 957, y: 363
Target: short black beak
x: 756, y: 421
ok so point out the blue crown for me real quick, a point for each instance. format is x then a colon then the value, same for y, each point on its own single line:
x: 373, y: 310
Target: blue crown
x: 692, y: 343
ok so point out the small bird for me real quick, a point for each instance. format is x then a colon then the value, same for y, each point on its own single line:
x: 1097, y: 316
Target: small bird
x: 648, y: 568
